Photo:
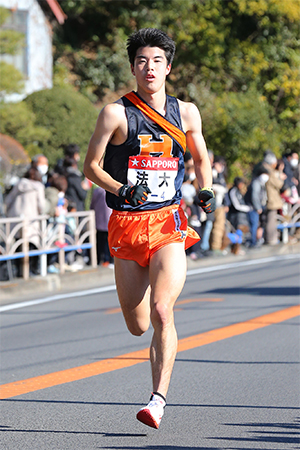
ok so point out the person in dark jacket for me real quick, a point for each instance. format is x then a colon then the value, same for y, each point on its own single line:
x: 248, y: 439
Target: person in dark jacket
x: 77, y: 186
x: 102, y: 215
x: 70, y: 151
x: 291, y: 161
x: 256, y: 197
x: 238, y: 210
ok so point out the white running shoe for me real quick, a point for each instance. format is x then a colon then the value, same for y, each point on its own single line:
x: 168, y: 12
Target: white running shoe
x: 151, y: 414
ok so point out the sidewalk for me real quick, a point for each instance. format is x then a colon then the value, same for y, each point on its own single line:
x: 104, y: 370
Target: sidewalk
x: 18, y: 290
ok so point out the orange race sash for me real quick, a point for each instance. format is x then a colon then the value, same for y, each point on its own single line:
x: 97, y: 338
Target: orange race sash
x: 171, y: 129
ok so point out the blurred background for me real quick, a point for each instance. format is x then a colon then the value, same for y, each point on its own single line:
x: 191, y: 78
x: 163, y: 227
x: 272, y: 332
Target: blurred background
x: 238, y: 60
x: 61, y: 61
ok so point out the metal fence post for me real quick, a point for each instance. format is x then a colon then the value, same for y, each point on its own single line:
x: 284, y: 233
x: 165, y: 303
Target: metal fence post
x: 61, y: 253
x: 43, y: 257
x: 285, y: 231
x: 25, y: 248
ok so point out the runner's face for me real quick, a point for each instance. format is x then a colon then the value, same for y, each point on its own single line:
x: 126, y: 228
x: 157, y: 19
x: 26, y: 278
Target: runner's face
x: 150, y: 68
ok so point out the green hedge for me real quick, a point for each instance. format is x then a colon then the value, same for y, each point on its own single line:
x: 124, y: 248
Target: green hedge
x: 68, y: 117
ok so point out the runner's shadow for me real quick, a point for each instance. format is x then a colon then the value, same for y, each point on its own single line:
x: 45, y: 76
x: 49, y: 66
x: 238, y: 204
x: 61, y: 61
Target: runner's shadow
x: 281, y: 433
x: 8, y: 429
x: 173, y: 405
x: 280, y: 439
x: 208, y: 361
x: 163, y: 447
x: 280, y: 291
x: 176, y: 447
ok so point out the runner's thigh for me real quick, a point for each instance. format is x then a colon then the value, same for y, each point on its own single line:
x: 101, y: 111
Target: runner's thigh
x: 167, y: 274
x: 132, y: 281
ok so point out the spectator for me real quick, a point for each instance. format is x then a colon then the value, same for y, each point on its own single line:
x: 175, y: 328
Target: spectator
x: 76, y: 192
x: 71, y: 224
x: 40, y: 162
x: 102, y: 215
x: 1, y: 203
x: 238, y: 210
x: 256, y: 197
x: 274, y: 200
x: 220, y: 189
x: 77, y: 186
x: 189, y: 191
x: 238, y: 215
x: 208, y: 222
x: 291, y: 161
x: 56, y: 207
x: 297, y: 177
x: 74, y: 259
x: 70, y: 151
x: 189, y: 188
x: 56, y: 189
x: 27, y: 199
x: 261, y: 164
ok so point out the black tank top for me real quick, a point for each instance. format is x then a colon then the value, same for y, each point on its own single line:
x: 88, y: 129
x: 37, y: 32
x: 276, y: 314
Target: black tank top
x: 146, y: 140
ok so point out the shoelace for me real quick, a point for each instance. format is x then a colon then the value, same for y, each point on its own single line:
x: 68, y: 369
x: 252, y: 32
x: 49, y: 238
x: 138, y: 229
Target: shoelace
x: 155, y: 404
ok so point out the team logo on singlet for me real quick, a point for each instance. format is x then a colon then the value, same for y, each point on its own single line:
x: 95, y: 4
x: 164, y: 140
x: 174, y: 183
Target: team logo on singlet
x: 150, y: 147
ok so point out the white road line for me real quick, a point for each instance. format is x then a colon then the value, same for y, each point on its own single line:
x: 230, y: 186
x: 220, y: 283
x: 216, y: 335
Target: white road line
x: 54, y: 298
x: 251, y: 262
x: 112, y: 287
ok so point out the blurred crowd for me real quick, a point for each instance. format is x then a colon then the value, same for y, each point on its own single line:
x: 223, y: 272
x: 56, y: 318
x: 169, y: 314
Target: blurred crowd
x: 56, y: 192
x: 246, y: 215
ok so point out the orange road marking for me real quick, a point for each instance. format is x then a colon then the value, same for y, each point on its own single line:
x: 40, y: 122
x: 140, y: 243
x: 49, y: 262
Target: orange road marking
x: 113, y: 311
x: 194, y: 300
x: 238, y: 328
x: 180, y: 302
x: 130, y: 359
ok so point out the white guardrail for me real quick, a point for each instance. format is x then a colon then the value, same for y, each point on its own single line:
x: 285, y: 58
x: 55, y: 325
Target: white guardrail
x: 48, y: 237
x: 289, y: 221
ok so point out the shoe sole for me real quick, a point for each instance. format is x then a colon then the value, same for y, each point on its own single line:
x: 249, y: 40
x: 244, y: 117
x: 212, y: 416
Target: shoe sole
x: 145, y: 417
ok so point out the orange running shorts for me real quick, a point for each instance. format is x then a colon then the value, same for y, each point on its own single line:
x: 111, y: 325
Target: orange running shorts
x: 138, y: 235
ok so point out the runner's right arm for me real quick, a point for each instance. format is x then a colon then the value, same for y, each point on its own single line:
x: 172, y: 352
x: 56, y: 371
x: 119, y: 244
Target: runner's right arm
x: 111, y: 125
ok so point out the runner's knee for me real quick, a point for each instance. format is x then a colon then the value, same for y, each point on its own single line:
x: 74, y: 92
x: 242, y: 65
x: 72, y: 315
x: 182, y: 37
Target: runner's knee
x: 161, y: 315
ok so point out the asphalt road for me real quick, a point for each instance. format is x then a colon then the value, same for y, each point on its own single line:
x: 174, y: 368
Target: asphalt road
x: 74, y: 377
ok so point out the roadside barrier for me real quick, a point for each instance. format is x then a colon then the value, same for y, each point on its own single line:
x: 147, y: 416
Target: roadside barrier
x: 288, y: 221
x: 22, y: 238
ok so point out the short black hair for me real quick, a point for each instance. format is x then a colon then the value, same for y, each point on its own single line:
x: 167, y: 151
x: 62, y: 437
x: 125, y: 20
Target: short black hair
x: 219, y: 159
x: 261, y: 170
x: 238, y: 180
x: 71, y: 149
x: 150, y: 37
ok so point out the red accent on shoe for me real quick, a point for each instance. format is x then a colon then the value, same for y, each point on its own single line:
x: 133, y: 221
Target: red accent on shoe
x: 144, y: 416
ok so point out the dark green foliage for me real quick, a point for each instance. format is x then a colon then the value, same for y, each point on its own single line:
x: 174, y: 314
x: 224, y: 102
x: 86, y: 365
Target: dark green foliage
x: 17, y: 120
x: 68, y: 116
x: 238, y: 60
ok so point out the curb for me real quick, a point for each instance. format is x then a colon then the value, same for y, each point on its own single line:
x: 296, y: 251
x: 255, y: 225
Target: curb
x: 88, y: 278
x: 13, y: 291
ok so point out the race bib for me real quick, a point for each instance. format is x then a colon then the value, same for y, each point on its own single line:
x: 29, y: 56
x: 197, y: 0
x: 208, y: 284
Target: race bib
x: 157, y: 173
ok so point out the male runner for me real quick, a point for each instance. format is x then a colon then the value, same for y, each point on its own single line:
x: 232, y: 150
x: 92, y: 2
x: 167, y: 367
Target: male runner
x: 136, y: 155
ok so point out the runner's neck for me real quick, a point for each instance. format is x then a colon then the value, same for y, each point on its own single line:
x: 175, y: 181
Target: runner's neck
x: 157, y: 101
